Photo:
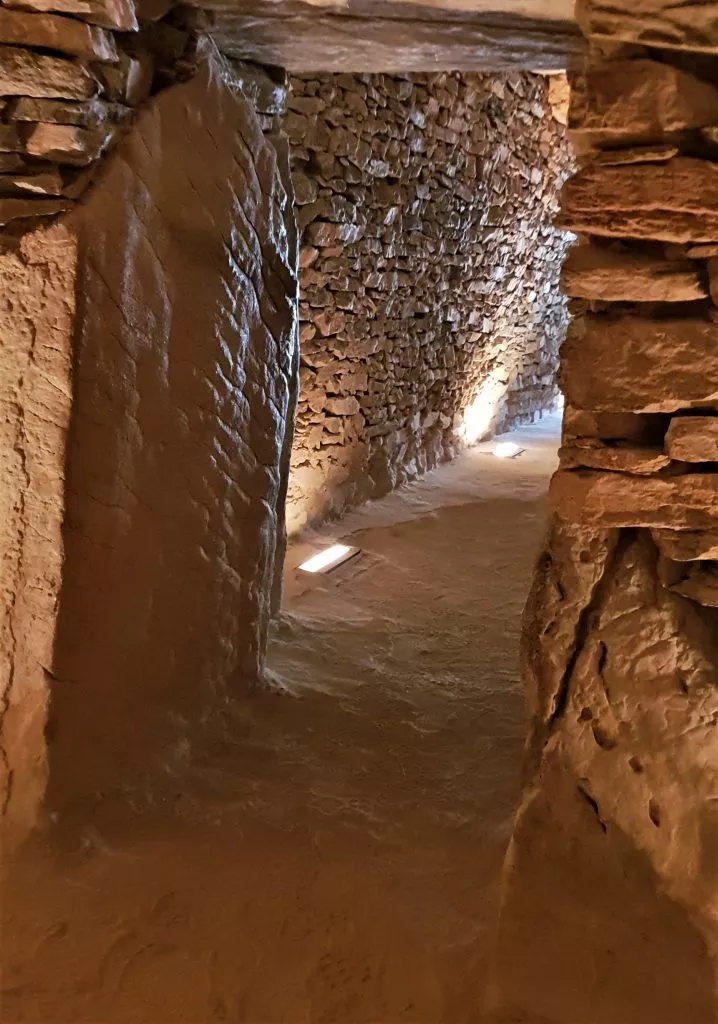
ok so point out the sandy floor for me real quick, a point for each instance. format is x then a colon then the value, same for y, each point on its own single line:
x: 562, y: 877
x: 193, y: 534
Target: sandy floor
x: 335, y: 857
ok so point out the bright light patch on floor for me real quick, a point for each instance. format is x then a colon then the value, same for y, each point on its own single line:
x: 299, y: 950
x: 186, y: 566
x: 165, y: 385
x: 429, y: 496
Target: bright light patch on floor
x: 507, y: 450
x: 328, y: 559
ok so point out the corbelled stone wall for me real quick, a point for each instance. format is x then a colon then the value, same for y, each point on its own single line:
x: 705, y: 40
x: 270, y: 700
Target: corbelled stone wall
x: 611, y: 895
x: 149, y: 370
x: 429, y: 302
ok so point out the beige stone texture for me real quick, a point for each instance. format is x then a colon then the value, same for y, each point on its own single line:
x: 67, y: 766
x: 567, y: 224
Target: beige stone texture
x: 617, y: 275
x: 676, y: 202
x: 693, y: 438
x: 661, y: 23
x: 25, y: 73
x: 687, y: 545
x: 608, y: 500
x: 639, y: 101
x: 619, y: 362
x: 643, y: 461
x: 51, y: 32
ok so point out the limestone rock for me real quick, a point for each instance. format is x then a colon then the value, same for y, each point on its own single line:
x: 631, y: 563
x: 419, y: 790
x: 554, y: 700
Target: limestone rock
x: 609, y: 500
x: 700, y: 585
x: 641, y: 101
x: 655, y: 154
x: 47, y: 183
x: 661, y: 23
x: 687, y: 545
x: 130, y: 80
x: 66, y: 144
x: 115, y: 14
x: 616, y: 459
x: 597, y: 272
x: 17, y: 209
x: 676, y: 202
x: 693, y: 438
x: 52, y: 32
x: 89, y: 114
x: 24, y: 73
x: 622, y: 362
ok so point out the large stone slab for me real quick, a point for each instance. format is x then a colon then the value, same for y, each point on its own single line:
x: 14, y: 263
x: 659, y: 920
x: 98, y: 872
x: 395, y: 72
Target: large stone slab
x: 693, y: 439
x: 665, y: 23
x: 673, y: 202
x: 615, y: 459
x: 25, y: 73
x: 687, y: 545
x: 625, y: 362
x: 640, y: 101
x: 115, y: 14
x: 608, y: 500
x: 51, y: 32
x: 596, y: 272
x: 306, y: 38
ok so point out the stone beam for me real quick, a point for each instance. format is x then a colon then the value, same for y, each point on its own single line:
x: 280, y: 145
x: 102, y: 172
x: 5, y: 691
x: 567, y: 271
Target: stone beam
x: 397, y: 36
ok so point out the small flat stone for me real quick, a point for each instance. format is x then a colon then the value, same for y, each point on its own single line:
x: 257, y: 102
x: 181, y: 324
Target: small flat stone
x: 641, y: 461
x: 46, y: 183
x: 10, y: 141
x: 65, y: 144
x: 636, y: 155
x: 676, y: 202
x: 701, y: 586
x: 621, y: 500
x: 693, y: 439
x: 17, y: 209
x: 129, y: 81
x: 89, y: 114
x: 115, y: 14
x: 664, y: 23
x: 702, y: 252
x: 687, y: 545
x: 631, y: 363
x: 610, y: 275
x: 625, y: 101
x: 11, y: 162
x: 26, y: 73
x: 53, y: 32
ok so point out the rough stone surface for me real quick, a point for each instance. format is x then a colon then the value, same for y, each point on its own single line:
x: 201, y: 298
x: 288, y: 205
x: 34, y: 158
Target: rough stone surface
x: 114, y: 14
x: 617, y: 459
x: 616, y: 275
x: 430, y: 311
x: 37, y: 307
x: 639, y: 101
x: 608, y: 500
x: 693, y: 439
x: 690, y: 26
x: 48, y: 31
x: 177, y: 427
x: 24, y: 73
x: 619, y: 362
x: 676, y: 202
x: 687, y: 545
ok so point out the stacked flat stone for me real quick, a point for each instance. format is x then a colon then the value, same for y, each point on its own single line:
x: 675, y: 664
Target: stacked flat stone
x: 71, y: 73
x: 429, y: 271
x: 640, y: 365
x: 621, y: 630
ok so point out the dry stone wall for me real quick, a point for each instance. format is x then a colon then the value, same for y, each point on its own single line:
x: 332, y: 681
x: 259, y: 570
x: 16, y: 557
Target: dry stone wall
x: 621, y: 637
x: 429, y: 302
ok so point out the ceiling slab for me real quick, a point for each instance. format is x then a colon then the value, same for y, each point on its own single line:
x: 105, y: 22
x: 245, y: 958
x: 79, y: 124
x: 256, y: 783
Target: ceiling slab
x: 399, y: 35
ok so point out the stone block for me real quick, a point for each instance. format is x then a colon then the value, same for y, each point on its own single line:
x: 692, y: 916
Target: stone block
x: 115, y: 14
x: 632, y: 363
x: 660, y: 23
x: 693, y: 438
x: 619, y: 275
x: 641, y: 101
x: 25, y: 73
x: 687, y: 545
x: 608, y: 500
x: 616, y: 459
x: 52, y: 32
x: 23, y: 209
x: 676, y: 202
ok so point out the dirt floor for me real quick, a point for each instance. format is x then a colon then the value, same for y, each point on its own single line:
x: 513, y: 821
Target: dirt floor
x: 335, y: 857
